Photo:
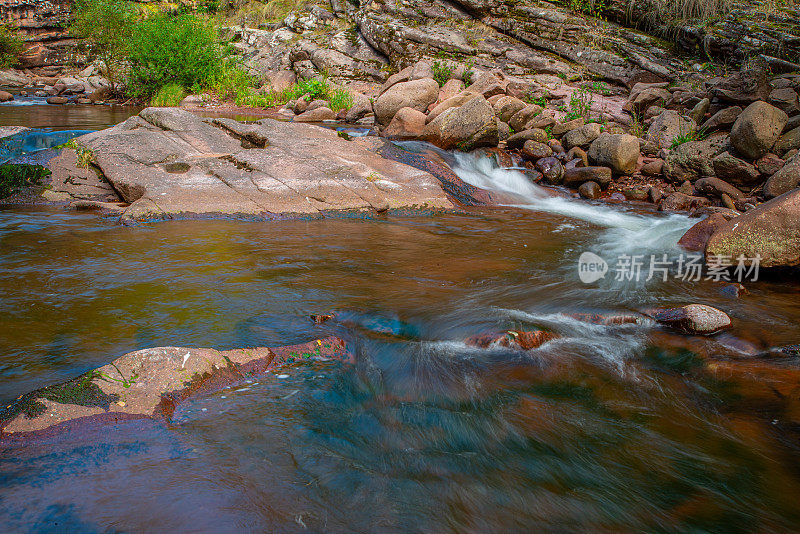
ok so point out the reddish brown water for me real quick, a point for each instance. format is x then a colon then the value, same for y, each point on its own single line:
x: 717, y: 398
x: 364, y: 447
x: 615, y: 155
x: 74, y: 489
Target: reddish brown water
x: 606, y: 429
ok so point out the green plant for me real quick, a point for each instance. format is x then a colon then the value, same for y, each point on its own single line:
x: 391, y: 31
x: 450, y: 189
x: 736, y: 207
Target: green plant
x: 580, y: 104
x: 468, y: 72
x: 15, y: 176
x: 169, y: 96
x: 601, y: 88
x: 442, y: 72
x: 340, y: 99
x: 593, y: 8
x: 84, y: 155
x: 105, y: 26
x: 11, y: 46
x: 636, y: 129
x: 181, y: 50
x: 685, y: 137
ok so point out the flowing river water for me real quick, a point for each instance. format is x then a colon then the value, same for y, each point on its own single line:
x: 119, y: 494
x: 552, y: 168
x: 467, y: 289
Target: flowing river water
x: 604, y: 429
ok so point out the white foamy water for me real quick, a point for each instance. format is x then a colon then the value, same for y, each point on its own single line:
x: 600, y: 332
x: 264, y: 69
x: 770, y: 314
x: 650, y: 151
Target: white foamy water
x: 625, y: 232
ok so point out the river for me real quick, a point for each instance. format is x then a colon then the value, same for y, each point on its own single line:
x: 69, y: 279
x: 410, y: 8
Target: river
x: 605, y: 429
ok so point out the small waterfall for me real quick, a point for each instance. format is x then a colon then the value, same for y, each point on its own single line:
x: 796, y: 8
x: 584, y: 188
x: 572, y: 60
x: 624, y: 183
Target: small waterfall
x: 625, y: 232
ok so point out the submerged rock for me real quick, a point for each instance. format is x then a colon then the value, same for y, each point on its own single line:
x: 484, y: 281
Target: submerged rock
x: 693, y: 319
x: 523, y: 339
x: 150, y: 383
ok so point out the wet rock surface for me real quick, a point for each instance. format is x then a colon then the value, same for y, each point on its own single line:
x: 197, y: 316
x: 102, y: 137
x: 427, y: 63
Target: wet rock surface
x: 151, y: 383
x: 169, y: 163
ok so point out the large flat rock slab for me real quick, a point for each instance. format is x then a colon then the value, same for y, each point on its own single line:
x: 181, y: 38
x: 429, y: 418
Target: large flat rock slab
x: 167, y: 162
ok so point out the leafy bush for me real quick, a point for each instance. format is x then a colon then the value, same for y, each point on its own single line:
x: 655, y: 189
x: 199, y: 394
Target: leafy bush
x: 105, y: 25
x: 340, y: 99
x: 10, y: 47
x: 182, y: 50
x: 580, y: 103
x: 169, y: 96
x: 442, y: 72
x: 235, y: 84
x: 13, y: 177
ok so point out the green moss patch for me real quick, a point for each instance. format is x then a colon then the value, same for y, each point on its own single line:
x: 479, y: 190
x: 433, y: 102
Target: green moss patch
x: 16, y: 176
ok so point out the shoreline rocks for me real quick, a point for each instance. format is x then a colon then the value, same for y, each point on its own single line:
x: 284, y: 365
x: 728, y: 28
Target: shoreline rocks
x: 150, y: 383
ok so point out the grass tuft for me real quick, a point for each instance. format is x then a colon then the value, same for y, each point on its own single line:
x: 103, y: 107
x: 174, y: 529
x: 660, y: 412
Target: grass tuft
x: 169, y: 96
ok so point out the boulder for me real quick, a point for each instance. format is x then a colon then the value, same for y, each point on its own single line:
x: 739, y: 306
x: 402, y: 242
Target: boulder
x: 551, y: 169
x: 742, y: 87
x: 646, y: 98
x: 692, y: 160
x: 407, y: 123
x: 698, y: 112
x: 734, y: 170
x: 362, y: 106
x: 450, y: 89
x: 722, y: 119
x: 770, y: 230
x: 635, y: 192
x: 681, y: 202
x: 577, y: 176
x: 518, y: 140
x: 452, y: 102
x: 769, y: 164
x: 5, y: 96
x: 786, y: 179
x: 318, y: 114
x: 717, y: 188
x: 521, y: 118
x: 285, y: 168
x: 488, y: 86
x: 785, y: 99
x: 582, y: 136
x: 563, y: 127
x: 757, y: 128
x: 697, y: 319
x: 507, y: 106
x: 57, y: 100
x: 653, y: 168
x: 788, y: 141
x: 618, y: 151
x: 318, y: 103
x: 590, y: 190
x: 279, y: 81
x: 533, y: 150
x: 667, y: 126
x: 577, y: 153
x: 416, y: 94
x: 466, y: 127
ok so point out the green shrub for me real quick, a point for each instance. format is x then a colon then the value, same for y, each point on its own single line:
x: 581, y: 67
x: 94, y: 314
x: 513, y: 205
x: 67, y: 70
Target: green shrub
x: 13, y: 177
x: 182, y: 50
x: 468, y: 73
x: 10, y: 47
x: 442, y: 72
x: 340, y: 99
x: 105, y: 26
x: 580, y: 103
x: 169, y: 96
